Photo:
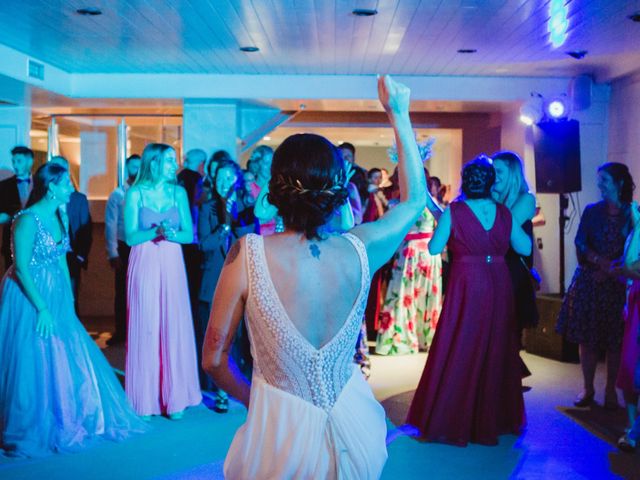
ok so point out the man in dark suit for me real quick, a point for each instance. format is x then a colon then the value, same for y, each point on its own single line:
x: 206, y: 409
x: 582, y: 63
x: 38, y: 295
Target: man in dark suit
x: 14, y: 193
x: 191, y: 179
x: 80, y: 232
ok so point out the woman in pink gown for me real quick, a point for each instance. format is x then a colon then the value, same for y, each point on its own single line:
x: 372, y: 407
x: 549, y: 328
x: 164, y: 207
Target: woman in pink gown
x: 470, y: 390
x: 161, y: 375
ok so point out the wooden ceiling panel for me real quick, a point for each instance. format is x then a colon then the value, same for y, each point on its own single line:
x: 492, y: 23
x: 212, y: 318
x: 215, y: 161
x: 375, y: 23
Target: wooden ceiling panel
x: 410, y: 37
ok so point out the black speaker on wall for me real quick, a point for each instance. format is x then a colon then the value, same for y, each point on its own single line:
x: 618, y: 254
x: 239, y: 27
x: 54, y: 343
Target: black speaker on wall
x: 556, y: 147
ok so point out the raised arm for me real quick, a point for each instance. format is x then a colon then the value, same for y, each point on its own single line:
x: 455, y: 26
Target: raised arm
x: 383, y: 236
x: 226, y: 312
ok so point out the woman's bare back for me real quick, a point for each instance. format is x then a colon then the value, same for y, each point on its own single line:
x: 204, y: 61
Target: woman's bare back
x: 317, y: 282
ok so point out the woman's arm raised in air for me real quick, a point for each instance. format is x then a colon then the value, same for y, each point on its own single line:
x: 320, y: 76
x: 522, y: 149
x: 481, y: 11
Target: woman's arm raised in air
x: 383, y: 236
x: 226, y: 312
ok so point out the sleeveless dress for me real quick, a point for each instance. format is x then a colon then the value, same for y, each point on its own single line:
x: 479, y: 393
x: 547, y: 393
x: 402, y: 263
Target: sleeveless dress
x: 312, y: 415
x: 161, y: 373
x: 413, y: 300
x: 470, y: 390
x: 57, y: 394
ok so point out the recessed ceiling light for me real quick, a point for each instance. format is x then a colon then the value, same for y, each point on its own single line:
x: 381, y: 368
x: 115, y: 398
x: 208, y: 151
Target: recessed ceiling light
x: 467, y: 50
x: 249, y: 49
x: 364, y: 12
x: 89, y: 11
x: 634, y: 17
x: 266, y: 138
x: 577, y: 54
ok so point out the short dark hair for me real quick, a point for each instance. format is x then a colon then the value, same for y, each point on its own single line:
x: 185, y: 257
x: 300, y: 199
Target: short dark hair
x: 308, y: 182
x: 21, y: 150
x: 620, y: 174
x: 478, y: 176
x: 348, y: 146
x: 220, y: 155
x: 372, y: 172
x: 134, y: 156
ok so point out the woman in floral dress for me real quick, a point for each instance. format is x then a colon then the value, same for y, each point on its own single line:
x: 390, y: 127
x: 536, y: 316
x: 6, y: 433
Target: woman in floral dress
x: 414, y: 296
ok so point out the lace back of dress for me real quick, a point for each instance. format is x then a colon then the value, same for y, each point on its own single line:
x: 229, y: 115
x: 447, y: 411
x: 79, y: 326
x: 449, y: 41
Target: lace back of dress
x: 282, y: 356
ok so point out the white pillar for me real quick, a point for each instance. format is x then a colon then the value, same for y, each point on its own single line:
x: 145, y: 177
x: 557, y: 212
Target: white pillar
x: 210, y: 126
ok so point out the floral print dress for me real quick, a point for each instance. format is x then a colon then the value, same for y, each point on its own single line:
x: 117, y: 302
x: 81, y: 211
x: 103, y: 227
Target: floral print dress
x: 414, y: 297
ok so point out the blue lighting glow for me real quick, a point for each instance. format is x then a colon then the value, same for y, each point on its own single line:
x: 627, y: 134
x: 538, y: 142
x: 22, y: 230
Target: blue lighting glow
x: 558, y: 22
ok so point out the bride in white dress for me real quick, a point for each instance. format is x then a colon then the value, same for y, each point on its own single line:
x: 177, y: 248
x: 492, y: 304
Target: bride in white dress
x: 311, y: 414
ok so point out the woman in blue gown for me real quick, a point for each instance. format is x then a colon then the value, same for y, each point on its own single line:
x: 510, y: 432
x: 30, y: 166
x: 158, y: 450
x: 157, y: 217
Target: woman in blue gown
x: 57, y: 391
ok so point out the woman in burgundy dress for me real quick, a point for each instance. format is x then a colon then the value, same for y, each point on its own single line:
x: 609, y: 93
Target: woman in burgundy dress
x: 470, y: 390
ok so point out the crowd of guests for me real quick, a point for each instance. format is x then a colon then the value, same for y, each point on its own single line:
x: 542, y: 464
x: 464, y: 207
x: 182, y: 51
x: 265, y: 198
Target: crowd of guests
x: 460, y: 285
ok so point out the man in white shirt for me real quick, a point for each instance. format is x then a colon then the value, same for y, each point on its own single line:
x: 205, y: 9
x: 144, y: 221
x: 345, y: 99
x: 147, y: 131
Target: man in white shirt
x: 117, y: 249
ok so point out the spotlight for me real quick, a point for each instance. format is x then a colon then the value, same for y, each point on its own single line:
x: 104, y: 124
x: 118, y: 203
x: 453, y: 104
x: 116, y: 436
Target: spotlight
x: 531, y: 110
x: 557, y: 108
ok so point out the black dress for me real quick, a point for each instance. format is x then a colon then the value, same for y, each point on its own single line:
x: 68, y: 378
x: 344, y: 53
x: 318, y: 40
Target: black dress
x: 524, y: 293
x: 591, y: 312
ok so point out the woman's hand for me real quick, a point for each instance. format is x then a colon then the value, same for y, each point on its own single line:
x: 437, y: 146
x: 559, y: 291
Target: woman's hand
x: 44, y: 325
x: 393, y: 96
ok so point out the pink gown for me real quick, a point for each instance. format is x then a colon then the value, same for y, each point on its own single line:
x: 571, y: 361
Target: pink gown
x: 471, y: 390
x: 630, y: 345
x: 161, y: 375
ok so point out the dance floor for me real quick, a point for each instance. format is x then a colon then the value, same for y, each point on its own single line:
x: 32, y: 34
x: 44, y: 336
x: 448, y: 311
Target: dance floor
x: 559, y: 443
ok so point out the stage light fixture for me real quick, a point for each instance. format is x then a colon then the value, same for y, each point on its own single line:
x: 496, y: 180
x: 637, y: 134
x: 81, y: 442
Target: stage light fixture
x: 531, y: 111
x: 557, y: 108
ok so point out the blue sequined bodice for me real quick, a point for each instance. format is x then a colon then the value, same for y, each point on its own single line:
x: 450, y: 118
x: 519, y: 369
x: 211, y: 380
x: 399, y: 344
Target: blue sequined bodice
x: 46, y: 250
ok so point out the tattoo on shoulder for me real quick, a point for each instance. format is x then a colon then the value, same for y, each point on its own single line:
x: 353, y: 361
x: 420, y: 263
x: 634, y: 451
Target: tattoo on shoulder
x: 315, y: 250
x: 232, y: 254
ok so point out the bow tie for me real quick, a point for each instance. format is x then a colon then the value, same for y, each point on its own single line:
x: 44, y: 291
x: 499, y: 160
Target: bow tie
x: 24, y: 180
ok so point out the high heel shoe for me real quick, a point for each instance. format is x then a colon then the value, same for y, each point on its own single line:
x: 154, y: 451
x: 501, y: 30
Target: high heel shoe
x: 584, y: 400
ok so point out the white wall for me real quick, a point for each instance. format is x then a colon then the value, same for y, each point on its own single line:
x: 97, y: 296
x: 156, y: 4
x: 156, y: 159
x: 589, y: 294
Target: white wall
x: 15, y: 123
x: 624, y: 125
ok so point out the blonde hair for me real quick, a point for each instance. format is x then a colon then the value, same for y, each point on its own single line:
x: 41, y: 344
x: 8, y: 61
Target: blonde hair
x: 152, y: 157
x: 516, y: 183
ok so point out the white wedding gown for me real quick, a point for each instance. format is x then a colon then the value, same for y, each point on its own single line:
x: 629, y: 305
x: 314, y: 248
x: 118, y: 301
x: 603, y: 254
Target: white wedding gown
x: 312, y: 415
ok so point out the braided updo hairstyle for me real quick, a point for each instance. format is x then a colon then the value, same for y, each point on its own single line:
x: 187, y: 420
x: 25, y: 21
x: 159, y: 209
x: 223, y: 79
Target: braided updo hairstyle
x: 308, y: 183
x: 478, y: 176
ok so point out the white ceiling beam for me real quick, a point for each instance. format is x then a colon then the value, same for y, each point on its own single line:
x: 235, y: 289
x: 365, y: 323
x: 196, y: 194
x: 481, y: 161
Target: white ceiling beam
x: 261, y: 87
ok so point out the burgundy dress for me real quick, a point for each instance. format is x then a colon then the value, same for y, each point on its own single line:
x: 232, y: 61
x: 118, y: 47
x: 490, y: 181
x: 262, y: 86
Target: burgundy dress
x: 470, y: 390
